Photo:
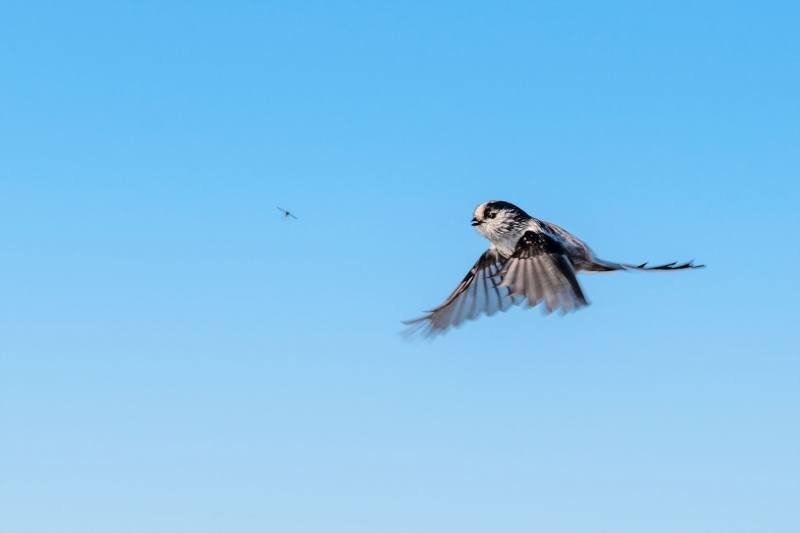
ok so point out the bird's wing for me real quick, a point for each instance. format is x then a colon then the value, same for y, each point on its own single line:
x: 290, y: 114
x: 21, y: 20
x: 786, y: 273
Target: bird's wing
x: 540, y: 271
x: 480, y: 292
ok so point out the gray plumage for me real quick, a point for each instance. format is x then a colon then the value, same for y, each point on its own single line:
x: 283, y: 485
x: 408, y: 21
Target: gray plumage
x: 529, y: 261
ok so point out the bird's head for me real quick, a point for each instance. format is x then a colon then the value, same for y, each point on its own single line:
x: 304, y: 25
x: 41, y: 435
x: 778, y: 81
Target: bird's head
x: 496, y: 219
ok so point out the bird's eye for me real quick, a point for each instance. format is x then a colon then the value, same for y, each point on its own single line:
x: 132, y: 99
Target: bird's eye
x: 492, y: 214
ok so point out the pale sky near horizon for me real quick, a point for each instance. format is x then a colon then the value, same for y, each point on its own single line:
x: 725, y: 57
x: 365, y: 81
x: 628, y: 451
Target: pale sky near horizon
x: 176, y: 358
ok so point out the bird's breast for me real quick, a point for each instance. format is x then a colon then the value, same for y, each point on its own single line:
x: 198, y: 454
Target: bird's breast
x: 506, y: 243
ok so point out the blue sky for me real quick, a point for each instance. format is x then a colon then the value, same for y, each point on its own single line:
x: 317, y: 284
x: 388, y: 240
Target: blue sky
x: 175, y: 358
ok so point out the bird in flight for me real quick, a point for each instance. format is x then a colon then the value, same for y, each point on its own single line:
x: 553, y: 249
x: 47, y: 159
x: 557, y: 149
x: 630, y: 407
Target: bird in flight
x: 286, y: 214
x: 529, y: 260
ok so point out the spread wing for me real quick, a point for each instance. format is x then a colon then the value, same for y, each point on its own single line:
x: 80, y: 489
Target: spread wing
x: 480, y: 292
x: 540, y: 271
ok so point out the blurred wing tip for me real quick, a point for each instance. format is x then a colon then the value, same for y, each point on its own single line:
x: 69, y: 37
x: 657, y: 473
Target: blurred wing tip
x: 421, y: 327
x: 414, y: 321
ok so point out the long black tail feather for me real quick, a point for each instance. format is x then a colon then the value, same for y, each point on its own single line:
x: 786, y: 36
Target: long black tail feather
x: 669, y: 266
x: 598, y: 265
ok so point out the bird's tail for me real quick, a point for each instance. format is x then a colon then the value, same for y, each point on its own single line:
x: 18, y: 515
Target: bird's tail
x: 598, y: 265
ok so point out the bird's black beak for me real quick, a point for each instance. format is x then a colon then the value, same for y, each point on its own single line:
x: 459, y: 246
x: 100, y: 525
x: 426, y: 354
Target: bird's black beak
x: 476, y: 222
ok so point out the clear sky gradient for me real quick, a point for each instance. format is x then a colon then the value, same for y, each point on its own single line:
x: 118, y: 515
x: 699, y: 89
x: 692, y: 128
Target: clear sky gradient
x: 176, y: 358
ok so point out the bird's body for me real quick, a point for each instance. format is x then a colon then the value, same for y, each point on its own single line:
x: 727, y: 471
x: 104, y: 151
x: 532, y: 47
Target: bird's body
x: 528, y: 260
x: 286, y: 214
